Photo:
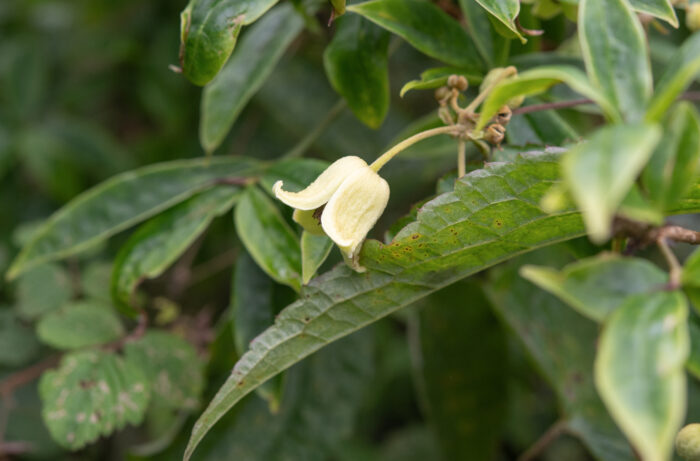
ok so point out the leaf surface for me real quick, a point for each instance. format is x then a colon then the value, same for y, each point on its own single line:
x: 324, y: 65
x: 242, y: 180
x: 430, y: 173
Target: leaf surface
x: 425, y: 27
x: 505, y: 11
x: 122, y: 201
x: 261, y: 48
x: 80, y: 324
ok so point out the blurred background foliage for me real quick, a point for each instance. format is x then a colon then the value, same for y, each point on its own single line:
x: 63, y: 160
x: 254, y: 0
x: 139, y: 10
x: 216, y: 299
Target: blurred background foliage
x: 86, y: 92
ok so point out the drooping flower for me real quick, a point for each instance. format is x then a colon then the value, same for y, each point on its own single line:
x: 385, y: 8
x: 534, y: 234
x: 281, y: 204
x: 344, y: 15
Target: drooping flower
x: 344, y: 202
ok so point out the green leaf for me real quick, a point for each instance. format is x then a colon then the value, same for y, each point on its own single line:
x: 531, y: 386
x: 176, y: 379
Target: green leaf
x: 600, y: 172
x: 679, y: 72
x: 537, y: 81
x: 261, y: 48
x: 505, y: 11
x: 693, y: 363
x: 562, y: 345
x: 614, y: 49
x: 92, y: 394
x: 171, y: 365
x: 122, y: 201
x: 662, y: 9
x: 639, y: 370
x: 56, y: 290
x: 540, y: 128
x: 492, y: 215
x: 597, y: 286
x: 314, y: 251
x: 80, y: 324
x: 268, y: 238
x: 462, y: 350
x: 209, y: 30
x: 673, y: 166
x: 95, y: 280
x: 162, y: 240
x: 322, y: 397
x: 691, y: 270
x: 252, y: 311
x: 18, y: 345
x: 437, y: 77
x: 487, y: 42
x: 357, y: 66
x: 426, y: 27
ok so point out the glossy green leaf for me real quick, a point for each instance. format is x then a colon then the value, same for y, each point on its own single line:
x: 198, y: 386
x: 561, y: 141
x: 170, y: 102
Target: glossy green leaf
x: 268, y: 238
x: 673, y: 166
x: 614, y: 49
x: 461, y: 349
x: 492, y: 215
x: 357, y: 66
x: 600, y: 172
x: 209, y: 30
x: 662, y: 9
x: 563, y: 354
x: 80, y: 324
x: 597, y: 286
x: 639, y: 370
x: 679, y: 72
x: 162, y: 240
x: 56, y: 290
x: 321, y: 399
x: 122, y: 201
x: 425, y: 27
x: 172, y: 366
x: 261, y: 48
x: 314, y: 251
x: 18, y: 345
x: 91, y: 394
x: 537, y: 81
x: 505, y: 11
x: 437, y: 77
x: 491, y: 46
x: 252, y: 311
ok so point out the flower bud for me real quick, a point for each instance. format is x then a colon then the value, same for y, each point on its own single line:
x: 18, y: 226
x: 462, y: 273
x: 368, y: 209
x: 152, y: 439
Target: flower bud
x: 688, y: 442
x: 442, y: 93
x: 458, y: 82
x: 495, y: 134
x: 503, y: 115
x: 692, y: 17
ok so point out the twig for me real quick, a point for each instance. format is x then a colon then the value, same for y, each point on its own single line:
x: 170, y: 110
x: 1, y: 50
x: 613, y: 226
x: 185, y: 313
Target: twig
x: 543, y: 442
x: 461, y: 158
x: 14, y: 448
x: 675, y: 270
x: 25, y: 376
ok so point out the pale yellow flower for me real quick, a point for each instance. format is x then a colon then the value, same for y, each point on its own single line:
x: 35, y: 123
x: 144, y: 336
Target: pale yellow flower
x: 344, y: 202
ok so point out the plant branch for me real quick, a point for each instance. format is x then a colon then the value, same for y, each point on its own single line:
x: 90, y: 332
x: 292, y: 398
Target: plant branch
x: 551, y: 434
x: 408, y: 142
x: 26, y: 376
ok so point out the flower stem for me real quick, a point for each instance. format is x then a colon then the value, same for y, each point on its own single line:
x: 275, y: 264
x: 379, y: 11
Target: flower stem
x: 461, y: 158
x: 408, y: 142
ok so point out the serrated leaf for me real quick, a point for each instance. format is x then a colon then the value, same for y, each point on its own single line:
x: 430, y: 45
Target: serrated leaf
x: 679, y: 72
x: 536, y: 81
x: 252, y: 311
x: 600, y: 172
x: 55, y: 291
x: 614, y: 49
x: 505, y: 11
x: 356, y: 64
x: 261, y: 48
x: 92, y: 394
x: 163, y: 239
x: 425, y: 27
x: 437, y: 77
x: 209, y: 30
x: 314, y: 251
x: 639, y: 370
x: 673, y: 167
x: 268, y: 238
x: 18, y: 345
x: 597, y: 286
x: 461, y: 349
x: 122, y: 201
x: 492, y: 215
x: 80, y: 324
x: 171, y: 365
x: 562, y: 345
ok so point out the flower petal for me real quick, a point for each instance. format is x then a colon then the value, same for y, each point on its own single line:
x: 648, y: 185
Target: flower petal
x: 353, y: 210
x: 321, y: 190
x: 307, y: 220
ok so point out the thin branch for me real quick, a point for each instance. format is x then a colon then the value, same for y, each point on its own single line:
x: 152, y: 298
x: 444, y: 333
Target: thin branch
x: 14, y: 448
x: 543, y: 442
x: 675, y: 270
x: 26, y: 376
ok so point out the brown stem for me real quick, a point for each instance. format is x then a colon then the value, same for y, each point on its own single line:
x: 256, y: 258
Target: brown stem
x: 543, y: 442
x: 138, y: 331
x: 14, y: 448
x: 26, y: 376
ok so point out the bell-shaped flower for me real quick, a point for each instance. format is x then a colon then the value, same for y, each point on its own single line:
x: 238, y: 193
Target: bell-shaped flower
x: 344, y: 202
